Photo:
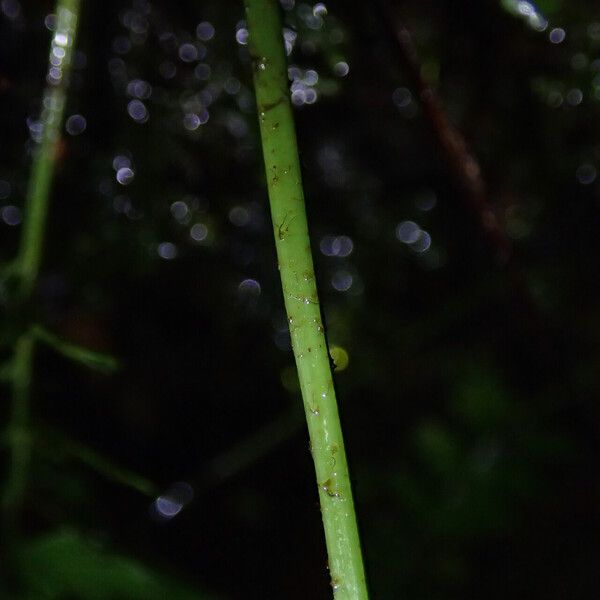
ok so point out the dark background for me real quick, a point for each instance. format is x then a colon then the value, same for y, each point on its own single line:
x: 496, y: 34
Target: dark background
x: 469, y: 399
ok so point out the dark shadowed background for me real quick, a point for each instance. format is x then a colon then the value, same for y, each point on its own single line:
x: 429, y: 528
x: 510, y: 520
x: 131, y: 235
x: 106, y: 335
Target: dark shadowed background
x: 467, y: 378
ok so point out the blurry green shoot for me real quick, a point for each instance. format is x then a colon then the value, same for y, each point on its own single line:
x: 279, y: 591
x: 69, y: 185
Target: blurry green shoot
x: 30, y: 252
x: 97, y: 361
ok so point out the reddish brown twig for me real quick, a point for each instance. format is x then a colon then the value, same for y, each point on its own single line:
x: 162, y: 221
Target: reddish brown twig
x: 464, y: 165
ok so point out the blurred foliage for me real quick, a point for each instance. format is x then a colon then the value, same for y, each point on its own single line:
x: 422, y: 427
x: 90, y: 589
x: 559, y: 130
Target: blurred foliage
x: 471, y: 424
x: 65, y: 564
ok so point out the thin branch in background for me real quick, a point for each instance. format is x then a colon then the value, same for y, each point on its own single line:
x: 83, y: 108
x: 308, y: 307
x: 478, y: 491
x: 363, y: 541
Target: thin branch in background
x: 251, y: 449
x: 98, y: 361
x: 464, y: 166
x: 60, y: 446
x: 245, y: 453
x: 282, y: 167
x: 30, y: 254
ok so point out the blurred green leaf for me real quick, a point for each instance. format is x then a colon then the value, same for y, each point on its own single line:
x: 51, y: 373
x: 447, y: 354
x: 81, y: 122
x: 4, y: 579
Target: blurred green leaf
x: 66, y: 564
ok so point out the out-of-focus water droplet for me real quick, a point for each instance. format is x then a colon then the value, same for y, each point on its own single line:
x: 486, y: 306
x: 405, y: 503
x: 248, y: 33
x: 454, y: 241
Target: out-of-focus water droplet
x: 167, y: 250
x: 593, y: 31
x: 586, y: 174
x: 167, y: 507
x: 199, y: 118
x: 579, y: 61
x: 402, y: 97
x: 239, y: 216
x: 171, y: 503
x: 11, y: 9
x: 138, y: 88
x: 294, y: 73
x: 50, y: 22
x: 75, y: 124
x: 137, y: 111
x: 205, y: 31
x: 341, y: 68
x: 202, y: 71
x: 120, y: 161
x: 557, y: 35
x: 62, y: 39
x: 408, y: 232
x: 188, y: 52
x: 241, y: 36
x: 529, y: 12
x: 574, y: 97
x: 249, y: 287
x: 11, y: 215
x: 311, y: 77
x: 289, y: 37
x: 117, y: 69
x: 125, y: 175
x: 310, y: 96
x: 341, y: 280
x: 319, y: 9
x: 426, y: 200
x: 179, y: 210
x: 423, y: 243
x: 199, y: 232
x: 554, y: 99
x: 232, y: 85
x: 298, y: 97
x: 191, y: 121
x: 236, y: 125
x: 340, y: 246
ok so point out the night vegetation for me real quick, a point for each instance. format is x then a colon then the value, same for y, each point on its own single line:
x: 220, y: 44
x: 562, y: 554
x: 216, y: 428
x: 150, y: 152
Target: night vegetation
x: 164, y: 235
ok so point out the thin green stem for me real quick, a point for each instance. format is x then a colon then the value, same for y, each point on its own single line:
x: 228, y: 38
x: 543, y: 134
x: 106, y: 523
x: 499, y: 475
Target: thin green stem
x: 53, y: 107
x: 286, y: 196
x: 59, y: 444
x: 18, y: 436
x: 30, y: 252
x: 90, y: 358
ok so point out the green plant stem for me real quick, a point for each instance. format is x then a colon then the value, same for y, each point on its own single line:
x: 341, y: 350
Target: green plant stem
x: 53, y: 108
x: 59, y: 445
x: 301, y: 301
x: 30, y: 251
x: 18, y: 436
x: 92, y: 359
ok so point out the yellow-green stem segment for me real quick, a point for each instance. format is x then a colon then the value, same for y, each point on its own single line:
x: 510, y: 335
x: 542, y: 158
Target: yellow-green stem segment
x: 301, y: 300
x: 62, y: 48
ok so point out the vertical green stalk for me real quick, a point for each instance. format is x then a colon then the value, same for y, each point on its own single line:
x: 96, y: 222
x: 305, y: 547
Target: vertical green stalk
x: 18, y: 438
x: 53, y: 107
x: 30, y: 251
x: 301, y: 301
